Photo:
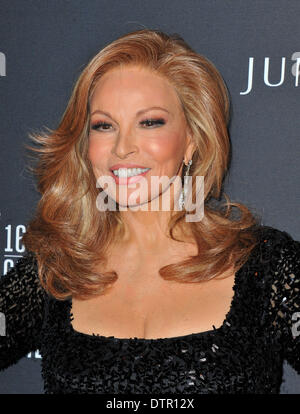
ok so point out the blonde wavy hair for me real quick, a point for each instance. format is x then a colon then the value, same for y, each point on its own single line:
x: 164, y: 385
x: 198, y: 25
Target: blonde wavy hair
x: 70, y: 236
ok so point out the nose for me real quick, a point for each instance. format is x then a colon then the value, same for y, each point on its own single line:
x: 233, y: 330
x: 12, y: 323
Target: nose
x: 126, y: 143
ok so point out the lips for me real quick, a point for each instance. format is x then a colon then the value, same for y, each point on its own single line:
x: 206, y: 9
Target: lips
x: 117, y: 166
x: 128, y: 180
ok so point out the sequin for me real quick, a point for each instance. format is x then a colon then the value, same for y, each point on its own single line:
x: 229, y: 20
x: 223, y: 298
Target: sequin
x: 244, y: 355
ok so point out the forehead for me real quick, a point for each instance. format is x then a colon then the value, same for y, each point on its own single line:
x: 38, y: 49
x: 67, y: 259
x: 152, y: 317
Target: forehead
x: 137, y: 85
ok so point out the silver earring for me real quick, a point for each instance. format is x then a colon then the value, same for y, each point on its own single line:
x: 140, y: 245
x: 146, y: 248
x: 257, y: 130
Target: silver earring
x: 183, y: 193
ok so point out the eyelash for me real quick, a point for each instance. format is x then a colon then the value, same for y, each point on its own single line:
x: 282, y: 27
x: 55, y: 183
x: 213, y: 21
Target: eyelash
x: 158, y: 121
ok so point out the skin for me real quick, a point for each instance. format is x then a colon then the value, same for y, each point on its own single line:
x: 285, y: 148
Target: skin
x: 123, y: 93
x: 140, y: 303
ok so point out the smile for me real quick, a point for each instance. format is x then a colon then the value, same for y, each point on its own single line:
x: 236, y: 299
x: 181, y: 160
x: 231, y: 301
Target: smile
x: 129, y: 172
x: 126, y: 176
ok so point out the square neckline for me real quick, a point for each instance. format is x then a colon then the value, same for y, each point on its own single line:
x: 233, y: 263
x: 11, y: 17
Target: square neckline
x: 193, y: 335
x: 225, y: 322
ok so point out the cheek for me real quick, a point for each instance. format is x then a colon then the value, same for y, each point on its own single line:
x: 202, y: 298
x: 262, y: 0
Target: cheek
x: 96, y: 152
x: 167, y: 148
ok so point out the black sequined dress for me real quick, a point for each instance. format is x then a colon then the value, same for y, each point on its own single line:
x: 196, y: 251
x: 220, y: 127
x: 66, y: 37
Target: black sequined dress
x: 244, y: 355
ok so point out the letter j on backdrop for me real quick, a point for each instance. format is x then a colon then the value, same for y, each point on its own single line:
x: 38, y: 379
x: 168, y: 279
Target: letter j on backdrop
x: 272, y: 70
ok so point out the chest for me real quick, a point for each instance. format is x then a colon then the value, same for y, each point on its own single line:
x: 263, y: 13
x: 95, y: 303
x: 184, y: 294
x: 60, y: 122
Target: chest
x: 142, y: 304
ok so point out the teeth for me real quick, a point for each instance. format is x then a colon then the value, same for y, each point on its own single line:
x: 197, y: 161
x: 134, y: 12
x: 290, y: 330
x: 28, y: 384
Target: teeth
x: 129, y: 172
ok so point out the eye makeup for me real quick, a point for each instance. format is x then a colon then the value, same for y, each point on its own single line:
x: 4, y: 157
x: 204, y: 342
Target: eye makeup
x: 152, y: 121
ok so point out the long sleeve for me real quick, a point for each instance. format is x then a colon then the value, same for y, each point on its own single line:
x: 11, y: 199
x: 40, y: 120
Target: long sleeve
x: 22, y: 301
x: 284, y: 304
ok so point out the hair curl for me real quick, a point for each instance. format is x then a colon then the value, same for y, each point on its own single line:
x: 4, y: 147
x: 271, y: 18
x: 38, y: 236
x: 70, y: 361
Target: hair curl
x: 70, y: 236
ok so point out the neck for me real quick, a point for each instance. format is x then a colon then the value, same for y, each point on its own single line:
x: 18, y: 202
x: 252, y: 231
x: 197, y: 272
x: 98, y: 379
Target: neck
x: 145, y: 229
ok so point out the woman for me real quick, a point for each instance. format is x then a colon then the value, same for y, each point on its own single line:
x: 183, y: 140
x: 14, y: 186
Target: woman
x: 139, y: 300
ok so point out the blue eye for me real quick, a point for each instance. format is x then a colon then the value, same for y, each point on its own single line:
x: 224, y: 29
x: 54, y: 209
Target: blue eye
x: 152, y: 122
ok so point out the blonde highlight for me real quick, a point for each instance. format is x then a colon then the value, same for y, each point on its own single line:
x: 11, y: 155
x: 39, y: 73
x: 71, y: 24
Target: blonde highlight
x: 70, y: 237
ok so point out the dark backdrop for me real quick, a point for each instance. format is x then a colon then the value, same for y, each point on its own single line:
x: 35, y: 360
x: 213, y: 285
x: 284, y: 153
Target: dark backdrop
x: 45, y: 44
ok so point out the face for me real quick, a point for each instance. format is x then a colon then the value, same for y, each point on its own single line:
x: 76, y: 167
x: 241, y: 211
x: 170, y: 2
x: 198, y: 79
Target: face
x: 136, y: 121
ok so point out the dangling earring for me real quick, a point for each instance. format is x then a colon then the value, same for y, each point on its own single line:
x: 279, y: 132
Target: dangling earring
x: 183, y: 193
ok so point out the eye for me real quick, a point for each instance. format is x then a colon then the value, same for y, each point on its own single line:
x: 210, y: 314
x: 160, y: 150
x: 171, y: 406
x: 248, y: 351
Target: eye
x: 101, y: 126
x: 152, y: 122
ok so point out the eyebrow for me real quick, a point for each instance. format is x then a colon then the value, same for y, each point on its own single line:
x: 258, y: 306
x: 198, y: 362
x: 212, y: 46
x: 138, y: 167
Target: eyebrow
x: 138, y: 112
